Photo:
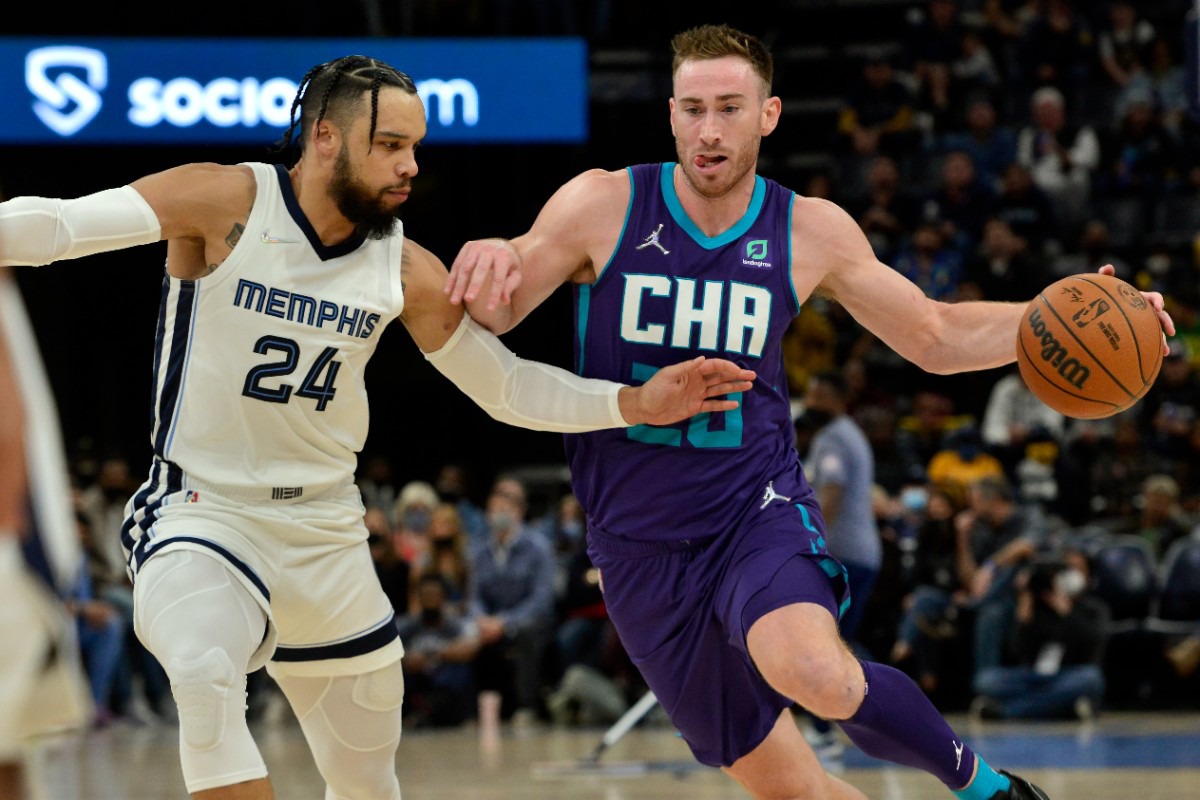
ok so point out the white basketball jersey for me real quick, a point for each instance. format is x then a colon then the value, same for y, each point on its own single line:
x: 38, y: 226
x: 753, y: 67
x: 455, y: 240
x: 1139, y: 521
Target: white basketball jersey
x: 258, y: 367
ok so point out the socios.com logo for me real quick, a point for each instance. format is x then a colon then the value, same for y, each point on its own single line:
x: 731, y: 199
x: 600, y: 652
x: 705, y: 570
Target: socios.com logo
x: 67, y: 82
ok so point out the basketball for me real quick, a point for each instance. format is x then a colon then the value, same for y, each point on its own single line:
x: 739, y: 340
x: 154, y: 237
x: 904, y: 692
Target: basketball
x: 1089, y: 346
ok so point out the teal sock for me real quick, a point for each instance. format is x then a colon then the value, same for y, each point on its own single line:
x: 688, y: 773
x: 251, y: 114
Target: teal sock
x: 986, y: 783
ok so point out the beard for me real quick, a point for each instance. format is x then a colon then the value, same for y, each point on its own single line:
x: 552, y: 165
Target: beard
x: 741, y: 163
x: 367, y: 210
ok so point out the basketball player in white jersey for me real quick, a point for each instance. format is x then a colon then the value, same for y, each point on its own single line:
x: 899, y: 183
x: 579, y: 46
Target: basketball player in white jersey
x: 41, y: 682
x: 246, y: 545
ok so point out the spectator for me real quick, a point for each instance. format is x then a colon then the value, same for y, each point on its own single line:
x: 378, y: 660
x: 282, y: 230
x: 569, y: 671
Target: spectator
x: 1003, y: 269
x: 841, y: 469
x: 413, y: 513
x: 1013, y: 413
x: 892, y: 470
x: 963, y: 461
x: 1138, y: 158
x: 100, y: 628
x: 439, y: 648
x: 1056, y: 647
x: 809, y: 345
x: 877, y: 117
x: 377, y: 487
x: 1118, y: 465
x: 928, y: 262
x: 1159, y: 521
x: 1094, y: 251
x: 453, y: 486
x: 923, y: 431
x: 991, y: 145
x: 975, y: 71
x: 960, y: 206
x: 448, y: 556
x: 931, y: 616
x: 1061, y: 156
x: 935, y: 44
x: 1172, y: 401
x: 512, y: 597
x: 1124, y: 45
x: 103, y: 503
x: 393, y: 572
x: 1167, y: 78
x: 1056, y: 50
x: 887, y: 212
x: 1027, y: 210
x: 995, y: 538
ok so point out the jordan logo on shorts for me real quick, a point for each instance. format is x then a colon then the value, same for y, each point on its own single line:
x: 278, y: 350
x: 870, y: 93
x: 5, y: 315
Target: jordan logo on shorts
x: 770, y: 494
x: 652, y: 241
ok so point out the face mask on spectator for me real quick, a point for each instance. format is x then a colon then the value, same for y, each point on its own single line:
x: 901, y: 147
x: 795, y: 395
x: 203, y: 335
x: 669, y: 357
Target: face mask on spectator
x: 417, y: 519
x: 1070, y: 582
x: 914, y: 498
x: 502, y: 521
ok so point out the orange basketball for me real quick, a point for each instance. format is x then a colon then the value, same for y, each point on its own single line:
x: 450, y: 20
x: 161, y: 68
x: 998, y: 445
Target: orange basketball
x: 1089, y: 346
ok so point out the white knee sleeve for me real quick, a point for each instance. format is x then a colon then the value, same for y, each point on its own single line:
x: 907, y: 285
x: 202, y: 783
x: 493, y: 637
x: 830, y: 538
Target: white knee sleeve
x: 352, y: 723
x: 203, y: 626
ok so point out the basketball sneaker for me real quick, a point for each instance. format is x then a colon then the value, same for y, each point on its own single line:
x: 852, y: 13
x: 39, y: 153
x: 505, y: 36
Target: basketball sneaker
x: 1020, y: 789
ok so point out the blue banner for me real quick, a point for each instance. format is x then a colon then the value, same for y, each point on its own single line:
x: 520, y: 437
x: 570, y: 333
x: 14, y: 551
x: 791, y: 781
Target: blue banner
x: 239, y: 91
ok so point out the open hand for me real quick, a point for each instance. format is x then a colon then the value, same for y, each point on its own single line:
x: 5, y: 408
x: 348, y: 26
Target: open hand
x: 684, y: 390
x: 1156, y: 302
x: 484, y: 265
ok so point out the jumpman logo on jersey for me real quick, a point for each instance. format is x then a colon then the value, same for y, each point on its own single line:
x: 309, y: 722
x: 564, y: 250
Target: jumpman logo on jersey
x: 958, y: 748
x: 770, y: 494
x: 652, y: 241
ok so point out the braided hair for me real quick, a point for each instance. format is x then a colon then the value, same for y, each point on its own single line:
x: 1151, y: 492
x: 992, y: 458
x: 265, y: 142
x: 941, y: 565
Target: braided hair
x: 335, y: 90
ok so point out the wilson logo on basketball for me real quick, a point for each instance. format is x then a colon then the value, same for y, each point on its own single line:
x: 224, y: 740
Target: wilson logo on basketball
x: 1055, y: 354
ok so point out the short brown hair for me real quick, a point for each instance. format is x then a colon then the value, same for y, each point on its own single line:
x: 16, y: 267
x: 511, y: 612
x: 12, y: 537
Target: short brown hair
x: 717, y: 41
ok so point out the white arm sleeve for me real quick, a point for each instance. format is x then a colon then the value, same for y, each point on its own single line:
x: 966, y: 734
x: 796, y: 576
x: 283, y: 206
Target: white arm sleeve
x: 35, y: 231
x: 524, y: 393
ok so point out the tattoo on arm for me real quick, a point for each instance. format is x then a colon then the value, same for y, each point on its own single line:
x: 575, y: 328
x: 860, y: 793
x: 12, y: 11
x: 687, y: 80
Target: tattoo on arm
x: 231, y: 239
x: 235, y: 235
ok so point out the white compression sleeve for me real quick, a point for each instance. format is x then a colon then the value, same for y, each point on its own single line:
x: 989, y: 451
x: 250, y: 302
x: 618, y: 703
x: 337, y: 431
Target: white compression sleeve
x: 524, y: 393
x: 35, y: 231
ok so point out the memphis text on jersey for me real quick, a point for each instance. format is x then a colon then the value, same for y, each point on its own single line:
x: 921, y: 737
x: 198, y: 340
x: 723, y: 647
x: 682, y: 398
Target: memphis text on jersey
x: 317, y: 313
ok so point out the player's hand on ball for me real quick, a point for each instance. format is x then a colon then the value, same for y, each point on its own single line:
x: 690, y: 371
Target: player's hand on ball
x: 1156, y: 302
x: 684, y: 390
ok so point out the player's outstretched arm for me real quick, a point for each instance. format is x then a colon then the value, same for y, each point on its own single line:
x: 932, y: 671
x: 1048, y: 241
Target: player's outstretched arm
x: 834, y: 257
x: 501, y: 280
x: 193, y: 201
x: 684, y: 390
x: 533, y: 395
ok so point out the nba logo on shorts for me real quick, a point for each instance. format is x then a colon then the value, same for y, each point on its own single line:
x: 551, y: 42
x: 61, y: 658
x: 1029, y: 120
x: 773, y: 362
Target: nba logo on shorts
x: 191, y: 497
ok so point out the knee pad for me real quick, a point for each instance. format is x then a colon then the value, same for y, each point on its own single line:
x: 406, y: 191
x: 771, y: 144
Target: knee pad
x: 202, y: 689
x: 203, y: 626
x: 353, y: 725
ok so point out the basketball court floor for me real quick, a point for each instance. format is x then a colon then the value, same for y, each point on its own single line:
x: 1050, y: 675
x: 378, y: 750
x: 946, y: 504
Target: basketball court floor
x: 1119, y: 756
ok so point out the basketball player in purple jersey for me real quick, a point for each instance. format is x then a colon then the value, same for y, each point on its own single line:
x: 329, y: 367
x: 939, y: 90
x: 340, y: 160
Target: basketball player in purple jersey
x: 706, y: 533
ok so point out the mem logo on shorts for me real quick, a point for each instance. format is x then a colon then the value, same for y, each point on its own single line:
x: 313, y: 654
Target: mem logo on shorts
x: 756, y: 254
x: 67, y: 82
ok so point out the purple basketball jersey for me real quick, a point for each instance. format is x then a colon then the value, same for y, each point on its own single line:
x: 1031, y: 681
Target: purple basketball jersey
x: 670, y: 293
